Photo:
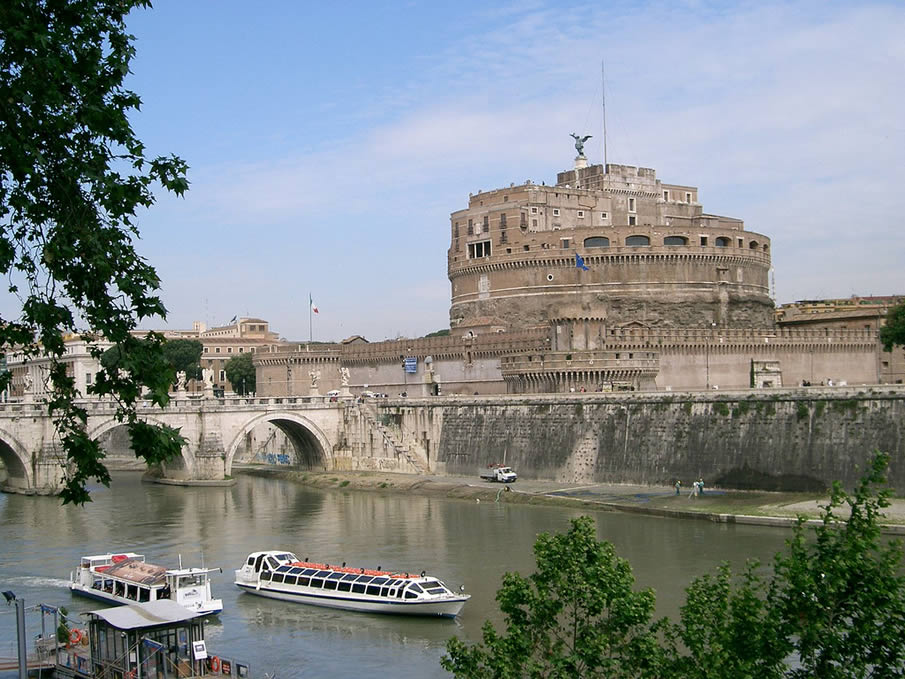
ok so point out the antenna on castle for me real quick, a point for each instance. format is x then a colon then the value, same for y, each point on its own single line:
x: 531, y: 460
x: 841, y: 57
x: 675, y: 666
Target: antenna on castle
x: 603, y: 92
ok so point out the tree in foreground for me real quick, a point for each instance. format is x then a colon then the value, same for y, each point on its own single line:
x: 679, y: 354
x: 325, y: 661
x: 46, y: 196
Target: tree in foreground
x: 73, y: 177
x: 240, y: 371
x: 577, y: 616
x: 893, y: 333
x: 842, y: 596
x: 834, y: 608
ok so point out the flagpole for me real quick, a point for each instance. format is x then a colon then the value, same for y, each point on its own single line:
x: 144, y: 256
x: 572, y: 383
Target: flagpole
x: 310, y: 331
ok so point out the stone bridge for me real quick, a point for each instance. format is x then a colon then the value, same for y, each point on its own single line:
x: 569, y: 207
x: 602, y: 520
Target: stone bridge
x: 326, y: 434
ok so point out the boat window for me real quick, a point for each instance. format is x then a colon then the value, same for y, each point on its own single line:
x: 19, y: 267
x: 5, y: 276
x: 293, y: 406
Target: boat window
x: 283, y: 569
x: 350, y: 576
x: 399, y: 593
x: 329, y: 584
x: 289, y: 580
x: 316, y: 582
x: 323, y: 574
x: 365, y: 578
x: 277, y: 577
x: 144, y: 594
x: 373, y: 590
x: 250, y: 562
x: 258, y: 560
x: 381, y: 581
x: 335, y: 576
x: 285, y: 556
x: 436, y: 590
x: 303, y: 581
x: 344, y: 586
x: 415, y: 587
x: 190, y: 581
x: 308, y: 571
x: 273, y: 563
x: 410, y: 595
x: 358, y: 588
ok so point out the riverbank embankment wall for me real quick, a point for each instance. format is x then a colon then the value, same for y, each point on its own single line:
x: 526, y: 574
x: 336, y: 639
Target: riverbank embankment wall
x: 784, y: 439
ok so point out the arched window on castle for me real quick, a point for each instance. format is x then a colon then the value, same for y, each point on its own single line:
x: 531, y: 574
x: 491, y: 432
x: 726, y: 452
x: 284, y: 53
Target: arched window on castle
x: 597, y: 242
x: 675, y: 240
x: 753, y: 245
x: 636, y: 241
x: 722, y: 242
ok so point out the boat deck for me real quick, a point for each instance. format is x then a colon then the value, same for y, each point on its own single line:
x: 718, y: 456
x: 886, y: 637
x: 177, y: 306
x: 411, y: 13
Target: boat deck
x: 138, y: 572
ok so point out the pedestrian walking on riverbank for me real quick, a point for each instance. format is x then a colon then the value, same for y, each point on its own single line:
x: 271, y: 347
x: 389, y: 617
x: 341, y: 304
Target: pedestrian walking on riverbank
x: 700, y: 486
x: 678, y: 486
x: 694, y: 490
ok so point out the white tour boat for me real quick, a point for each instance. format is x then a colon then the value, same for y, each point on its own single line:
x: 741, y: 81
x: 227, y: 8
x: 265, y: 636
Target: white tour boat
x: 280, y: 575
x: 126, y: 578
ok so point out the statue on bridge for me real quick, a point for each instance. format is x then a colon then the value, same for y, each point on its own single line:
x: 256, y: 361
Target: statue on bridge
x: 344, y: 376
x: 180, y: 381
x: 207, y: 377
x: 315, y: 375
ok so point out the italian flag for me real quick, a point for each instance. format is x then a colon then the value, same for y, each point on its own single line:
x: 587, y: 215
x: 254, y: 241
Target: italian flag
x: 313, y: 305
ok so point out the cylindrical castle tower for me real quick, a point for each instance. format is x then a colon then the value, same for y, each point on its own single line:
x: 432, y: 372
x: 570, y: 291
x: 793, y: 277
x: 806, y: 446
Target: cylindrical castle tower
x: 604, y: 249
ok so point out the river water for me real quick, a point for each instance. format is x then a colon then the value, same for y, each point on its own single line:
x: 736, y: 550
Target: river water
x: 462, y: 542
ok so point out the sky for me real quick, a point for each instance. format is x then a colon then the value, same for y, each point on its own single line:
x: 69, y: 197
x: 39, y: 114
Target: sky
x: 329, y: 143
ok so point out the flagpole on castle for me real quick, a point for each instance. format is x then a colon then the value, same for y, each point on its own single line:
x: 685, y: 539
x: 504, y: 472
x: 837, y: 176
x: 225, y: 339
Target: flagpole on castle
x: 310, y: 306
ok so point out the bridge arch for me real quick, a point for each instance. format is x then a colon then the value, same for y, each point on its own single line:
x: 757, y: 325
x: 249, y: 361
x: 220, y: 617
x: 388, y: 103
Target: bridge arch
x: 311, y: 444
x: 107, y: 425
x: 16, y: 461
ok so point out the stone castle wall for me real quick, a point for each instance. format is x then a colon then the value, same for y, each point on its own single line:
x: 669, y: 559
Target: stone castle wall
x: 798, y: 439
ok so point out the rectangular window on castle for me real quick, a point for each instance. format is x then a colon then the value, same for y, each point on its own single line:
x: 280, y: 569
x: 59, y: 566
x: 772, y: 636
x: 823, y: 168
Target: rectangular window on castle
x: 666, y: 195
x: 556, y: 212
x: 479, y: 249
x: 534, y: 210
x: 631, y: 205
x: 604, y: 215
x: 581, y: 214
x: 503, y: 220
x: 533, y: 222
x: 222, y: 375
x: 687, y: 197
x: 470, y: 227
x: 632, y: 220
x: 486, y: 222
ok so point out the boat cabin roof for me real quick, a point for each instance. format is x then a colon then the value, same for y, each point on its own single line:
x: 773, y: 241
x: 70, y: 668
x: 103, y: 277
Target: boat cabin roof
x: 150, y: 614
x: 138, y: 572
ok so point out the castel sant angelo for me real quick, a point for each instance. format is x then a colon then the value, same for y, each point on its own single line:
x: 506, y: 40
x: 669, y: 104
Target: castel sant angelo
x: 610, y: 279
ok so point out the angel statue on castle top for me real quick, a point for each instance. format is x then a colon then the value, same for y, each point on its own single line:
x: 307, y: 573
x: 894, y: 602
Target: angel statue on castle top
x: 579, y: 142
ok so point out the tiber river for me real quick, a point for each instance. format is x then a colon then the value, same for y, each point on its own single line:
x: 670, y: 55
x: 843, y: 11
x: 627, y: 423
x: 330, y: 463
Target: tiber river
x: 461, y: 542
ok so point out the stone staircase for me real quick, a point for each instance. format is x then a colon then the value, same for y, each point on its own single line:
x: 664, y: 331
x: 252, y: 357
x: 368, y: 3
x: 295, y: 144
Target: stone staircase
x: 391, y: 440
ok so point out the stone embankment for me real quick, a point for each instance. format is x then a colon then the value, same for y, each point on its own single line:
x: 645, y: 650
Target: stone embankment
x: 717, y: 504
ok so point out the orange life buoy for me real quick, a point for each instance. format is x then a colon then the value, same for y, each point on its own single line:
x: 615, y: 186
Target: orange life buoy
x: 215, y: 664
x: 75, y: 636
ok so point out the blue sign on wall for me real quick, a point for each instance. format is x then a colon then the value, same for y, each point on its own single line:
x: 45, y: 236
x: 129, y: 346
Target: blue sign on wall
x: 411, y: 364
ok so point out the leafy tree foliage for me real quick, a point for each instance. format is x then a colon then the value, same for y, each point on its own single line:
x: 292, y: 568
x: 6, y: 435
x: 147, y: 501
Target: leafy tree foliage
x: 728, y: 629
x: 894, y: 330
x: 73, y: 177
x: 842, y: 596
x: 577, y: 616
x: 184, y: 355
x: 834, y: 608
x: 240, y: 372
